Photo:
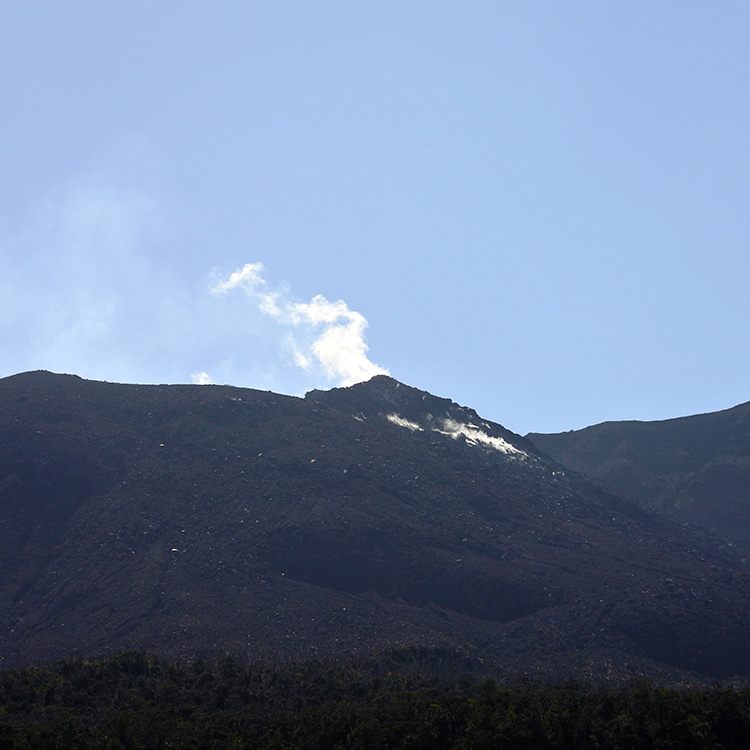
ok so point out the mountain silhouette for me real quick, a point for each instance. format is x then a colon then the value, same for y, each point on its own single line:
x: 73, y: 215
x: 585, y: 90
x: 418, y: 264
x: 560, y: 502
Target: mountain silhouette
x: 198, y: 521
x: 695, y: 468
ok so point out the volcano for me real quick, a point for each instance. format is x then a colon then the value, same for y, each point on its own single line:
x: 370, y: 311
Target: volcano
x: 201, y: 521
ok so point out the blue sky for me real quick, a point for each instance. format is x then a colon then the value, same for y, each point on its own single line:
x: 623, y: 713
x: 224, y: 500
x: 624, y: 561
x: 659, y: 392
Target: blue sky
x: 538, y: 209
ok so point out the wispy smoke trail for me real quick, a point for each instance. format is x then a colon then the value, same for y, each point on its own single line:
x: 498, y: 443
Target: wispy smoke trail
x: 338, y: 333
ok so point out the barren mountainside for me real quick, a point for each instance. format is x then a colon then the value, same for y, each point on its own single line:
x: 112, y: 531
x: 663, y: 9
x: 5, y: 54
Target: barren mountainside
x: 197, y: 521
x: 693, y: 468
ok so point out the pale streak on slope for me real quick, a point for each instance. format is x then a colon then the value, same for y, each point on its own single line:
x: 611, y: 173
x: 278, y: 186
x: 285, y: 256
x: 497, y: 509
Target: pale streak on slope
x: 401, y: 422
x: 471, y: 433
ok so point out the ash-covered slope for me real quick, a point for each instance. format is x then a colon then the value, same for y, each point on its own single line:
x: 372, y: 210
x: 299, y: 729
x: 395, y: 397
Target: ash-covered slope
x: 694, y: 468
x: 202, y: 520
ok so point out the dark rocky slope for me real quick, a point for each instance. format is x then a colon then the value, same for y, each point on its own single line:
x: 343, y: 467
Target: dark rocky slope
x: 694, y: 468
x: 194, y: 521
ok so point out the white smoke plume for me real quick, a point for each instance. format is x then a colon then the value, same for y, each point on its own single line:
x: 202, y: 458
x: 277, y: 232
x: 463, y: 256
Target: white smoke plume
x: 328, y: 333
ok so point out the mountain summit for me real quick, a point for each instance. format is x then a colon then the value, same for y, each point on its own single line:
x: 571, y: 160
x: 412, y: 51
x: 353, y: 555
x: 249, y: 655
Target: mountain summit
x: 196, y: 521
x: 420, y: 411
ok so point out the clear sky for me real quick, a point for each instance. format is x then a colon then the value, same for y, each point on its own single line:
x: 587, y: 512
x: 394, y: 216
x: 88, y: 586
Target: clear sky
x: 537, y: 209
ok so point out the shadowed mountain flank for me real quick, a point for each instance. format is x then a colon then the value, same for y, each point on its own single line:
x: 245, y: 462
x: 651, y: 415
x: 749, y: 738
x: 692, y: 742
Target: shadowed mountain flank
x: 196, y: 521
x: 694, y: 468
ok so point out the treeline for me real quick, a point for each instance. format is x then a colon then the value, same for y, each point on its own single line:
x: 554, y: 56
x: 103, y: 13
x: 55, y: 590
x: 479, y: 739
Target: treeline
x: 138, y: 701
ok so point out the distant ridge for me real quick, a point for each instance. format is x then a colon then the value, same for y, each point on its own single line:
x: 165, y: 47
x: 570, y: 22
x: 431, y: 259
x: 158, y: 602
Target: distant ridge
x: 194, y: 521
x: 694, y: 468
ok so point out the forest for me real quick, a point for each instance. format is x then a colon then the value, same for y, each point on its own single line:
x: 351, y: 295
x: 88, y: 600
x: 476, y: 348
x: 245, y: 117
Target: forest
x: 416, y: 700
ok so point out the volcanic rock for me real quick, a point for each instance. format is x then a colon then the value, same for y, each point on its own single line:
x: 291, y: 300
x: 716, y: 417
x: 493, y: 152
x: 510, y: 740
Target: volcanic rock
x: 198, y: 521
